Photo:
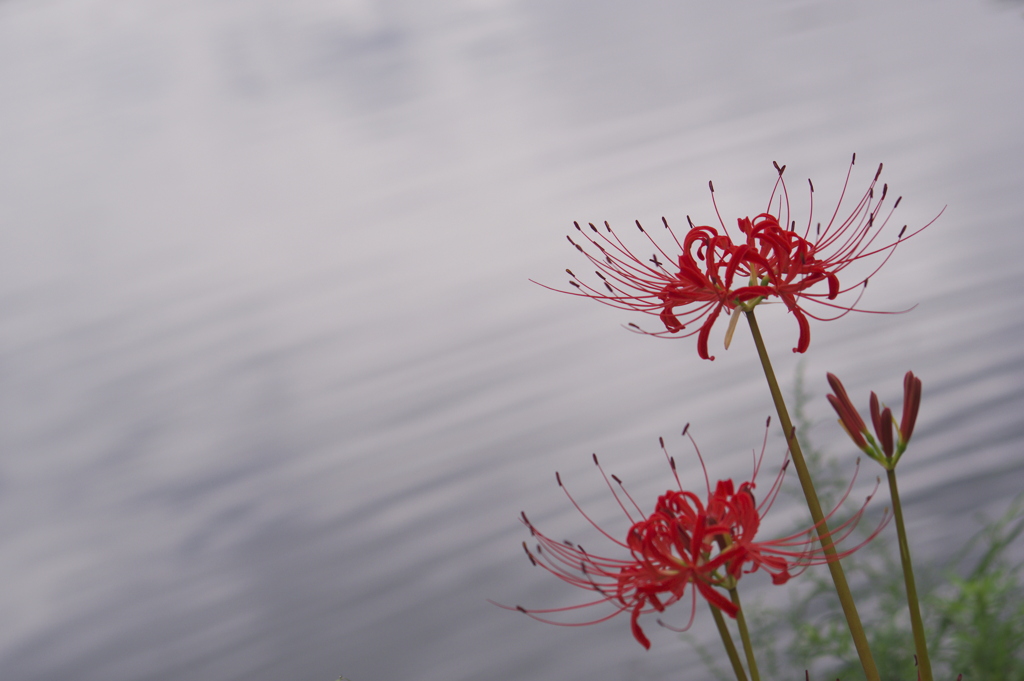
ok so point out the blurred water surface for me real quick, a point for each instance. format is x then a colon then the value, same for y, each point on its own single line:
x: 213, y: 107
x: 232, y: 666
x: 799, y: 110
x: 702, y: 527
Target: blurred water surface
x: 274, y: 385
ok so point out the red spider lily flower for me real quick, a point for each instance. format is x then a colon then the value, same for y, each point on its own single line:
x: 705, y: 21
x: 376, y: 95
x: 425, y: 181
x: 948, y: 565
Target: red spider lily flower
x: 883, y: 449
x: 708, y: 271
x: 685, y: 542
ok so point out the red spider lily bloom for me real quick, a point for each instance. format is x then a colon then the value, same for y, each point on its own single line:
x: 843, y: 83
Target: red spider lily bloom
x: 884, y: 450
x: 685, y: 542
x: 708, y: 271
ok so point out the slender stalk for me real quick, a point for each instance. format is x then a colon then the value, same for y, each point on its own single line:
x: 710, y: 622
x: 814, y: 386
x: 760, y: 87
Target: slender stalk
x: 748, y: 648
x: 924, y: 665
x: 860, y: 640
x: 730, y: 647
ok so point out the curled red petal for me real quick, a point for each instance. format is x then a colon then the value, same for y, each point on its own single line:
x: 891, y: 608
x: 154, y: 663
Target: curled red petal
x: 634, y: 624
x: 670, y: 321
x: 804, y: 341
x: 705, y: 332
x: 833, y: 286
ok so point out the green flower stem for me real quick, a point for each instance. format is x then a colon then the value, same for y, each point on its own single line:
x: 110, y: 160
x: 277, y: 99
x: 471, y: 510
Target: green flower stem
x: 748, y: 648
x: 924, y: 665
x: 730, y: 647
x: 860, y: 640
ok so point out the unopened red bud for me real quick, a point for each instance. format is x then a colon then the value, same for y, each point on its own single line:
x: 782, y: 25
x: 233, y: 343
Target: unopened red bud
x: 876, y: 413
x: 885, y: 432
x: 911, y: 403
x: 856, y: 423
x: 848, y: 421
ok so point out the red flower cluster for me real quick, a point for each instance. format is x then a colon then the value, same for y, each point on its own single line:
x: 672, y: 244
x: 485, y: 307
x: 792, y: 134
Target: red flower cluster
x: 684, y: 541
x: 710, y: 271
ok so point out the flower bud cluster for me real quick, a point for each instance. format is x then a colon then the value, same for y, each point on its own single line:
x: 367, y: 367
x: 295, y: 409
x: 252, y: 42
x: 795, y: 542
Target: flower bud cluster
x: 885, y: 447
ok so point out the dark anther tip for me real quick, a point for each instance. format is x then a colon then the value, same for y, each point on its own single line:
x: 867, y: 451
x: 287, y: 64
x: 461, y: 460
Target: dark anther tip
x: 558, y: 478
x: 711, y: 187
x: 810, y: 183
x: 594, y: 456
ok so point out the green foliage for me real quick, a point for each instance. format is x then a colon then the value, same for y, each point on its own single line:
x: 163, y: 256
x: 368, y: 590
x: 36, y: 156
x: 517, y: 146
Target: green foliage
x: 980, y: 621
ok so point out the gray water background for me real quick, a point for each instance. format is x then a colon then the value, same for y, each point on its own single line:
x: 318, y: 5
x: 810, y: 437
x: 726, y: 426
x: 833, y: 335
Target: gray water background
x: 274, y: 385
